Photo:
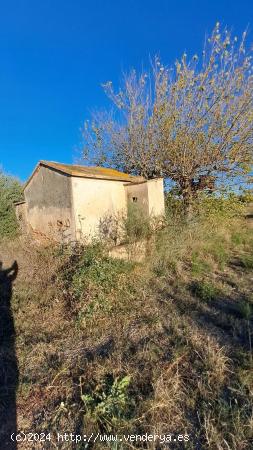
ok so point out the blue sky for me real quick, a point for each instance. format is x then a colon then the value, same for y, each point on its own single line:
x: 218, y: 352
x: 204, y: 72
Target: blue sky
x: 54, y: 55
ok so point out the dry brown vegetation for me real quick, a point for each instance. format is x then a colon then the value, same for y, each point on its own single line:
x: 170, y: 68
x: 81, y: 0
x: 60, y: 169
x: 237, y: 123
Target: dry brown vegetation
x: 119, y: 347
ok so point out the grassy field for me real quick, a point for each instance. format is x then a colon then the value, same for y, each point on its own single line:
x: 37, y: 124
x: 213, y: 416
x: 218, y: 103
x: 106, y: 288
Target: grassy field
x: 116, y: 347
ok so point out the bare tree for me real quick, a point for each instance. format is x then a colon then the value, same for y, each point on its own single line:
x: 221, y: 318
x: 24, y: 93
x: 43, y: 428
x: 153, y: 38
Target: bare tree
x: 192, y: 123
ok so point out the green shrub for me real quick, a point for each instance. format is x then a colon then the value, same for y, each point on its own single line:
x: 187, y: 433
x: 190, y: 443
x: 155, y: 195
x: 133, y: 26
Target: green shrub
x: 222, y: 207
x: 238, y: 238
x: 10, y: 192
x: 95, y: 268
x: 247, y: 196
x: 246, y: 310
x: 136, y: 225
x: 204, y: 290
x: 218, y: 249
x: 173, y: 206
x: 108, y: 403
x: 247, y: 261
x: 198, y: 265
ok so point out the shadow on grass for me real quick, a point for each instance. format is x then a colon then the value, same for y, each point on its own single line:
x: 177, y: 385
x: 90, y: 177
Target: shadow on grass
x: 9, y: 374
x: 220, y: 316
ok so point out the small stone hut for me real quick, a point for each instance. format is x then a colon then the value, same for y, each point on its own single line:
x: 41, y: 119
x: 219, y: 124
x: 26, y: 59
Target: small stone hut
x: 69, y: 202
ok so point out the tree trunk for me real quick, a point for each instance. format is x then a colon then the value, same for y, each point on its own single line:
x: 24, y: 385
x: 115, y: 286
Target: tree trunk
x: 188, y: 207
x: 188, y: 196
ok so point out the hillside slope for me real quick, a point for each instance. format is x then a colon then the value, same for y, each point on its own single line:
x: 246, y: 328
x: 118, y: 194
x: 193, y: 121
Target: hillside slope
x: 113, y: 347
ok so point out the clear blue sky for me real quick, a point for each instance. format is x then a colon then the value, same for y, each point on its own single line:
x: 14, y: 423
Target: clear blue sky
x: 55, y: 54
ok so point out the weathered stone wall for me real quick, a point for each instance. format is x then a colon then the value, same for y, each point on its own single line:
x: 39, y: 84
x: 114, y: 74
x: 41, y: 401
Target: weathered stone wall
x: 96, y: 200
x: 156, y: 204
x: 138, y: 195
x: 148, y: 196
x: 49, y: 204
x: 21, y: 214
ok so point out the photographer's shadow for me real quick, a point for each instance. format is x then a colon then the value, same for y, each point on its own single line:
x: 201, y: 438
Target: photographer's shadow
x: 8, y: 362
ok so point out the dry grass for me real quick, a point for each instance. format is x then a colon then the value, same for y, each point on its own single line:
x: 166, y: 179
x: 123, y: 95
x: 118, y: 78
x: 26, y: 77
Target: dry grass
x: 84, y: 322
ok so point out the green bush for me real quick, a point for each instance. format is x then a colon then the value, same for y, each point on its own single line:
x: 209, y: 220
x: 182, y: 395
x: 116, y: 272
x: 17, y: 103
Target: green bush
x: 173, y: 206
x: 97, y: 269
x: 246, y: 310
x: 247, y: 196
x: 198, y: 265
x: 109, y: 403
x: 204, y: 290
x: 206, y: 206
x: 136, y: 225
x: 10, y: 192
x: 247, y: 261
x: 223, y: 207
x: 238, y: 238
x: 220, y: 254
